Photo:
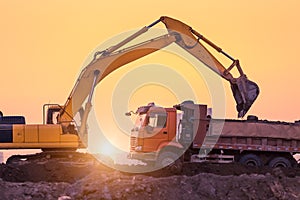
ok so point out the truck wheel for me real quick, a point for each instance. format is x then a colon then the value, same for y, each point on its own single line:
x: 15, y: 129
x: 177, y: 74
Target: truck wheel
x: 251, y: 160
x: 169, y: 160
x: 280, y: 162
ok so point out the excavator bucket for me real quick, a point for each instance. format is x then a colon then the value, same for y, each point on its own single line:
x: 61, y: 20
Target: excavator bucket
x: 245, y: 93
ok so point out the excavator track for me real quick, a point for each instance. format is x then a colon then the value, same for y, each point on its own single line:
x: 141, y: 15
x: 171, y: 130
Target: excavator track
x: 64, y: 157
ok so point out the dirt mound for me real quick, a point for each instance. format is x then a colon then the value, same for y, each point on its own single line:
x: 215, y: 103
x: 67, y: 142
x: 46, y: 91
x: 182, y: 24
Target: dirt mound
x: 191, y: 169
x: 117, y: 185
x: 55, y: 171
x: 30, y: 190
x: 66, y: 180
x: 202, y: 186
x: 48, y: 171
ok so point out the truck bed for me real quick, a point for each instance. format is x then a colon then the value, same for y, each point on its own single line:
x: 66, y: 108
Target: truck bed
x: 259, y: 128
x: 247, y: 135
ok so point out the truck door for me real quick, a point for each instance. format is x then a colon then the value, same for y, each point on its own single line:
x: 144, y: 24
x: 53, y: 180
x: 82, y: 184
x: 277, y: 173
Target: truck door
x: 156, y: 130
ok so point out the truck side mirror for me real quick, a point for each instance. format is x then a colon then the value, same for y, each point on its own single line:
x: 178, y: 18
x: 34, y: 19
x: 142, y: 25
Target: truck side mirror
x: 128, y: 114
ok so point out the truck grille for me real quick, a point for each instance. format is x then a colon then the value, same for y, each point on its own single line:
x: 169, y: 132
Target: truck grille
x: 133, y: 143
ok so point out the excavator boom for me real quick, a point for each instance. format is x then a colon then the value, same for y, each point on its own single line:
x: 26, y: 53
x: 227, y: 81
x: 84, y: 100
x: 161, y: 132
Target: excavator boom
x: 244, y: 91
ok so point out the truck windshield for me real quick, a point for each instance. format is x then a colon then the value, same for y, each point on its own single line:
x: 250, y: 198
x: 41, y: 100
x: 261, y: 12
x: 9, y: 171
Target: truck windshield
x: 139, y: 121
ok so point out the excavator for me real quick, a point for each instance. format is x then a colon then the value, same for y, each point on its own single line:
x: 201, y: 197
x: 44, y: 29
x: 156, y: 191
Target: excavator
x: 60, y: 132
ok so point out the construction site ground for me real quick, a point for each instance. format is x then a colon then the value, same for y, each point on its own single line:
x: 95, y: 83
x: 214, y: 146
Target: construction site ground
x: 52, y: 179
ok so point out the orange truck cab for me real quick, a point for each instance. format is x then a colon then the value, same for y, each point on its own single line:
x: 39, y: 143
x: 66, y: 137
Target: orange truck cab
x: 159, y: 129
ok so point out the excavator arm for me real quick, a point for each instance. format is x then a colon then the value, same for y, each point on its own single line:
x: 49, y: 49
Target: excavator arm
x: 105, y: 62
x: 244, y: 91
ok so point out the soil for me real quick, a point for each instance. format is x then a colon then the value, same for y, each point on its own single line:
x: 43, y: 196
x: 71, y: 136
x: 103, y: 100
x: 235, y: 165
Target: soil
x: 53, y: 179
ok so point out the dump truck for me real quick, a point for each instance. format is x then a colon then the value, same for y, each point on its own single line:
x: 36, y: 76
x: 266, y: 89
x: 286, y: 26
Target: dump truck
x: 187, y: 133
x: 60, y: 131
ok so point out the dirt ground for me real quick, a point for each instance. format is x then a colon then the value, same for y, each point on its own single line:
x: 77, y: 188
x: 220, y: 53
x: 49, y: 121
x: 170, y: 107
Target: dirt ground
x: 63, y: 180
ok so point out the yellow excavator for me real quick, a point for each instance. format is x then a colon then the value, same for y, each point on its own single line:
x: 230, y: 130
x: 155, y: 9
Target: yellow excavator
x: 60, y: 131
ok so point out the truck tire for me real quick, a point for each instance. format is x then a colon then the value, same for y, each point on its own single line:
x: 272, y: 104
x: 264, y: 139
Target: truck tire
x: 280, y: 162
x: 170, y: 161
x: 251, y: 160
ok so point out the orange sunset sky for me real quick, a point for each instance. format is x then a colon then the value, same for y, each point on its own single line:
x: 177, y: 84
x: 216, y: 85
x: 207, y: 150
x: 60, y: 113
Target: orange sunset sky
x: 43, y: 45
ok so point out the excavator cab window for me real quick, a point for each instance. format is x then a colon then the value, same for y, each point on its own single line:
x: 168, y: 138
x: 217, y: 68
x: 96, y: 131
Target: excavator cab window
x: 52, y: 115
